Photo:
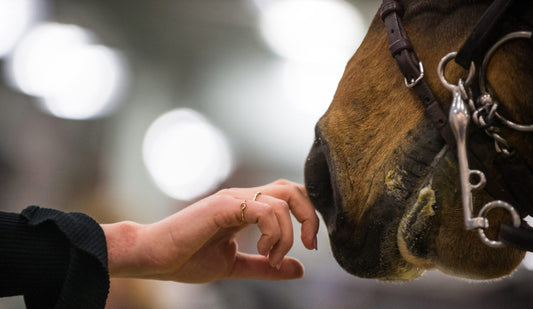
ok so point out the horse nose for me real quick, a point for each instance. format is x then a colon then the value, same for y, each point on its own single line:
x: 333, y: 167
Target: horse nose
x: 320, y: 181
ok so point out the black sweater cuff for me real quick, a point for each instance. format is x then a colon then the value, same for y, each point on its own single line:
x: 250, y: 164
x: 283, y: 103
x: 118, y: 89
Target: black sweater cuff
x: 56, y: 259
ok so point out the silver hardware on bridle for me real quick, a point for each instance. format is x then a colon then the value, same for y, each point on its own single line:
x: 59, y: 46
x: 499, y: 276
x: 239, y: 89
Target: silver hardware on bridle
x: 485, y: 95
x: 413, y: 81
x: 459, y: 118
x: 486, y: 108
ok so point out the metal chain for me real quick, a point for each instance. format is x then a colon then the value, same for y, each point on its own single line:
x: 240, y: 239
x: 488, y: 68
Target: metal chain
x: 484, y: 115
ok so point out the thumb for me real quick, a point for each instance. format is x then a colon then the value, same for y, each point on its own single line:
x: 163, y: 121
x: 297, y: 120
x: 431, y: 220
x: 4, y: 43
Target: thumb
x: 248, y: 266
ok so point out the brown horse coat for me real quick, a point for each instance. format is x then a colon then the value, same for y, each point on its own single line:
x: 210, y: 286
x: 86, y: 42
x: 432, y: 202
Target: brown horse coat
x: 378, y: 171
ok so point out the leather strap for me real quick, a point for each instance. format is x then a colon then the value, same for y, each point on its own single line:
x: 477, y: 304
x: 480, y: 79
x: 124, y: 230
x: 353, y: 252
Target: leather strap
x: 482, y: 36
x: 402, y: 50
x: 478, y: 42
x: 521, y: 238
x: 519, y: 179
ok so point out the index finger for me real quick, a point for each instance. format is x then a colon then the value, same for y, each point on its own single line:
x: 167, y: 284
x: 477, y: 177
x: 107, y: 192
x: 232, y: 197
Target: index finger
x: 300, y: 205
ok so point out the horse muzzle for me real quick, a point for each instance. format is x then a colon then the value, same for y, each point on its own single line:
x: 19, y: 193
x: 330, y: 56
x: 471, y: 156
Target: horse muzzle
x: 411, y: 218
x: 360, y: 243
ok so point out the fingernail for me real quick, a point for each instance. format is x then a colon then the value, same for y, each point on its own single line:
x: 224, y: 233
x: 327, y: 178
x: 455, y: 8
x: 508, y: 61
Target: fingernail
x: 315, y: 243
x: 278, y: 266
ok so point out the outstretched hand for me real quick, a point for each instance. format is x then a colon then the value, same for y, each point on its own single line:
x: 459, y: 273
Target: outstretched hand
x: 198, y: 243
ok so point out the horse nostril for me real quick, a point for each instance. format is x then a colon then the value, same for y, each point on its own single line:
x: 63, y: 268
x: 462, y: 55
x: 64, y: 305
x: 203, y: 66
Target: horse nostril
x: 313, y: 195
x: 312, y: 191
x: 319, y: 182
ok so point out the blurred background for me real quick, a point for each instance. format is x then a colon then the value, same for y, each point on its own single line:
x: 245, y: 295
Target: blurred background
x: 132, y: 110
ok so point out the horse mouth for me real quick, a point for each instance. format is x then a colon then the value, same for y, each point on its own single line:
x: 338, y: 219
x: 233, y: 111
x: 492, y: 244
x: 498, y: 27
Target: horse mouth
x: 422, y: 218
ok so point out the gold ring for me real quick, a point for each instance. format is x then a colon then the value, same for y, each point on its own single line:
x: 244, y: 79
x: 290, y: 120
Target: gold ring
x: 256, y: 195
x: 243, y: 207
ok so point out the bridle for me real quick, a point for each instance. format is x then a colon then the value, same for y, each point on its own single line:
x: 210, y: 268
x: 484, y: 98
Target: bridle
x: 514, y: 191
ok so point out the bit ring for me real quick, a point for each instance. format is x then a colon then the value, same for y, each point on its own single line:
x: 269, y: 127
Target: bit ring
x: 440, y: 72
x: 482, y: 213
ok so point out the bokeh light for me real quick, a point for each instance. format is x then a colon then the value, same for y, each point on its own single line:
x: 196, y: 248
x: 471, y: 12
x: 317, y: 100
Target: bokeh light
x: 93, y: 84
x: 312, y: 30
x: 314, y: 40
x: 72, y: 76
x: 40, y: 55
x: 310, y: 88
x: 15, y: 18
x: 186, y: 155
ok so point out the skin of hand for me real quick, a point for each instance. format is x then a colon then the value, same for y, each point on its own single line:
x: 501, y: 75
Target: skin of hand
x: 198, y: 244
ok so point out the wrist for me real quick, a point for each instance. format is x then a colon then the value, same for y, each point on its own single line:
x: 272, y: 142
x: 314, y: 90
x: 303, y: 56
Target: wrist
x: 122, y: 240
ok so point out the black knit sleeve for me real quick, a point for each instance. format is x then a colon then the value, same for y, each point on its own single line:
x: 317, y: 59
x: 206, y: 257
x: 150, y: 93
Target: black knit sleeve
x: 54, y: 259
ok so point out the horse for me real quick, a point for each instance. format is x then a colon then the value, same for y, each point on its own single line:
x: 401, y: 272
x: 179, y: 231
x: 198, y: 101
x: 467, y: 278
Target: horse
x: 381, y: 173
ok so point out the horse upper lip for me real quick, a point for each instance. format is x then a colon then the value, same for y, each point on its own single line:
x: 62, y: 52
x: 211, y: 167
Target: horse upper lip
x: 320, y: 181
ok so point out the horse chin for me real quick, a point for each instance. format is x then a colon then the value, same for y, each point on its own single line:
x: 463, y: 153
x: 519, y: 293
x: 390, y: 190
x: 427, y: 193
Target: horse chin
x: 431, y: 233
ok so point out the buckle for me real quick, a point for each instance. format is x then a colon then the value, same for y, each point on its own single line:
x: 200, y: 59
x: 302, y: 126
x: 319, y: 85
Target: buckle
x: 414, y: 81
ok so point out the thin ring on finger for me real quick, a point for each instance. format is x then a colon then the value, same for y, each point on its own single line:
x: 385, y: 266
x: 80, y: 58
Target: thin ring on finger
x: 243, y: 207
x: 256, y: 195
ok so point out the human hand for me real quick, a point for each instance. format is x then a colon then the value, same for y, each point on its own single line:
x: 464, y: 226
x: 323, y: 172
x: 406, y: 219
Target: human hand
x: 198, y: 243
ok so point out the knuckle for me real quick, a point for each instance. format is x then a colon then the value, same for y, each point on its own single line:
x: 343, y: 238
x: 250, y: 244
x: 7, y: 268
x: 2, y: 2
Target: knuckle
x: 294, y: 189
x: 222, y: 197
x: 282, y: 181
x: 267, y: 211
x: 291, y: 187
x: 282, y: 205
x: 299, y: 187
